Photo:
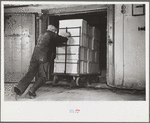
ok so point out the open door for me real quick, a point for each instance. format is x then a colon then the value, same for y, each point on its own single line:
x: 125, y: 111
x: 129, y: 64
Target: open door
x: 19, y: 42
x: 126, y: 46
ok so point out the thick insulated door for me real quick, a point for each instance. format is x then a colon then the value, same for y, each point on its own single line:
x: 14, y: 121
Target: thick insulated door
x: 19, y: 41
x: 129, y: 48
x: 134, y: 50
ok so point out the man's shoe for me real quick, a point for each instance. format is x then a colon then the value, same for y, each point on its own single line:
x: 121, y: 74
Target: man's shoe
x: 17, y: 93
x: 54, y: 85
x: 32, y: 95
x: 16, y: 97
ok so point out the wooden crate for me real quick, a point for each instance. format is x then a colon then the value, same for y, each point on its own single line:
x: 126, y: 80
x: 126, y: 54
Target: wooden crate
x: 95, y: 33
x: 83, y: 67
x: 89, y: 42
x: 59, y: 67
x: 89, y: 30
x: 74, y: 23
x: 83, y: 53
x: 73, y: 51
x: 92, y: 68
x: 96, y: 57
x: 90, y: 55
x: 84, y: 40
x: 72, y: 68
x: 81, y: 40
x: 95, y: 44
x: 70, y: 50
x: 70, y: 58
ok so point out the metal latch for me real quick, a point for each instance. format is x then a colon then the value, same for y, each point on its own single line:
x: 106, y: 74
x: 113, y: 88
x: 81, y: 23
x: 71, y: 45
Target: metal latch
x: 141, y: 28
x: 110, y: 42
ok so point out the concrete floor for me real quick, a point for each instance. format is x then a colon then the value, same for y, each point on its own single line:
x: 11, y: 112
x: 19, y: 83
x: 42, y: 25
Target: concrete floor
x: 64, y: 92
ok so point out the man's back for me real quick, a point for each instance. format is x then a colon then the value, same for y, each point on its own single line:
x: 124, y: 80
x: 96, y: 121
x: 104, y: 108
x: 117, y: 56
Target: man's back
x: 47, y: 42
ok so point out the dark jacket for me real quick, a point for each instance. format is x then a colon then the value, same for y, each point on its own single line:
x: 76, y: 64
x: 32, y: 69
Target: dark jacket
x: 46, y: 45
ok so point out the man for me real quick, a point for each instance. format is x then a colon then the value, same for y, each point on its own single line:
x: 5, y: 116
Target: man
x: 43, y: 51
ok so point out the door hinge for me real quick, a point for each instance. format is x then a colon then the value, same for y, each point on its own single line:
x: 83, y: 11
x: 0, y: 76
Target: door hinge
x: 123, y: 9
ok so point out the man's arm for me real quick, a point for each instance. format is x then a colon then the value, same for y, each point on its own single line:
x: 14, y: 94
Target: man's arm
x: 60, y: 39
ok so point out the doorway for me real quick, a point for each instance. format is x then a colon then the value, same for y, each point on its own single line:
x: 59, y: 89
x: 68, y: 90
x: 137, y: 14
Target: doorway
x: 97, y: 19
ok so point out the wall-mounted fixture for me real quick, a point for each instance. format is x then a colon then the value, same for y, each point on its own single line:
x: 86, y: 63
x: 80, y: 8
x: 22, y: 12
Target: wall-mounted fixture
x: 138, y: 9
x: 141, y: 28
x: 123, y: 9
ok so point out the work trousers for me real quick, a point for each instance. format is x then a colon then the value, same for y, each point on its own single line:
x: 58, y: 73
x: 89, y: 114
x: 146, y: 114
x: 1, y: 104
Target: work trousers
x: 37, y: 66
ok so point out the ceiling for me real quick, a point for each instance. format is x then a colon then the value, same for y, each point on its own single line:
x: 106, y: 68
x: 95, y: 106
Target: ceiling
x: 16, y: 8
x: 40, y: 5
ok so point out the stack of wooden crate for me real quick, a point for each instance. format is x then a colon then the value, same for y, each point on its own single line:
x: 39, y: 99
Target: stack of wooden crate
x: 82, y: 49
x: 93, y: 49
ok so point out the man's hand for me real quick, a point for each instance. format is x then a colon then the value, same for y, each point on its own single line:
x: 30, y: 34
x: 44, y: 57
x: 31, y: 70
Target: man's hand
x: 67, y: 34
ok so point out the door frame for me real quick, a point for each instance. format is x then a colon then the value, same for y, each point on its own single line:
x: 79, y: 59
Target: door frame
x: 110, y: 70
x: 110, y: 44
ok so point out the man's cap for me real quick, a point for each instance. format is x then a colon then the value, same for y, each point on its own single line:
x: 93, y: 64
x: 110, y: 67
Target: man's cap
x: 51, y: 28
